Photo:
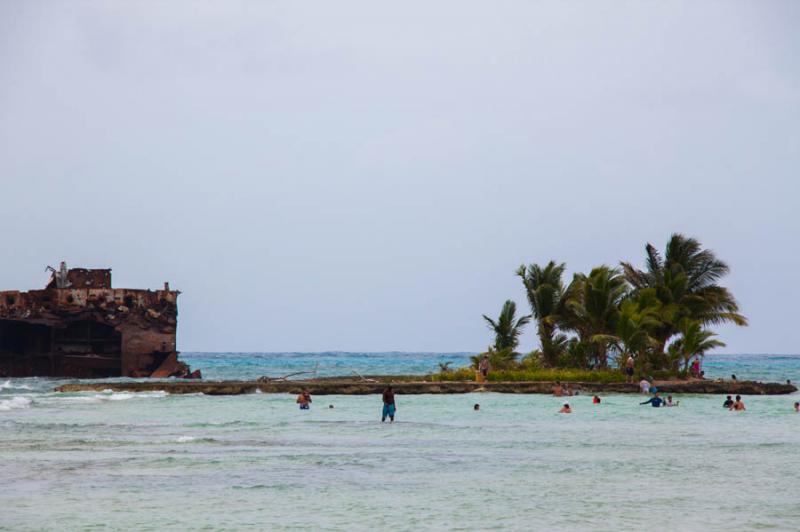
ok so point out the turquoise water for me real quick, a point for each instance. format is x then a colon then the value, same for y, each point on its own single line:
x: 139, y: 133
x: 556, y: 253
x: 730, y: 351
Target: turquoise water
x: 152, y: 461
x: 227, y: 366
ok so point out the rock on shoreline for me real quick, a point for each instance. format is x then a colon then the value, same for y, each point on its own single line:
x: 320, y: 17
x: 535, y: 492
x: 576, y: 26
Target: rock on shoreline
x: 349, y: 386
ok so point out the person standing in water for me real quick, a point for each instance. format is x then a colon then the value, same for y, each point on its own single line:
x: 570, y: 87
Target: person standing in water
x: 797, y: 407
x: 389, y: 407
x: 304, y: 400
x: 596, y: 400
x: 629, y: 368
x: 738, y: 405
x: 654, y: 401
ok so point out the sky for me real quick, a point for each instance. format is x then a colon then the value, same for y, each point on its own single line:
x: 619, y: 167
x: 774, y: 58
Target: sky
x: 367, y: 176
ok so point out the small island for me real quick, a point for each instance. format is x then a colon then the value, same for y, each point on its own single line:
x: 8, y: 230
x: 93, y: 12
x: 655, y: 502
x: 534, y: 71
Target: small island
x: 602, y: 332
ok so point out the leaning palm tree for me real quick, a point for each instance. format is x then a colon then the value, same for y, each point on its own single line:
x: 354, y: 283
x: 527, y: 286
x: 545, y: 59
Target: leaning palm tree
x: 694, y: 341
x: 507, y: 328
x: 547, y: 297
x: 593, y: 302
x: 685, y: 280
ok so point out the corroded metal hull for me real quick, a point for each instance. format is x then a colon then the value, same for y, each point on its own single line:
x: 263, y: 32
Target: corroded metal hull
x: 79, y: 326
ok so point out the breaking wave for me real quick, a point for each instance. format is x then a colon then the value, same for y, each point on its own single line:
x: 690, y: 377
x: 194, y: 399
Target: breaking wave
x: 15, y: 403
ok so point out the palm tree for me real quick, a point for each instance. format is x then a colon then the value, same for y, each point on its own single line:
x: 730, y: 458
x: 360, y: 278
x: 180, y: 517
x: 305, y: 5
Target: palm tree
x: 546, y: 295
x: 638, y: 318
x: 685, y: 281
x: 593, y: 302
x: 694, y: 341
x: 507, y: 328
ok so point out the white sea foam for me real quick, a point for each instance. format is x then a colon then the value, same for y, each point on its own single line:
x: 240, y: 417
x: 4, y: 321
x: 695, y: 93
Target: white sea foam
x: 8, y: 385
x: 185, y: 439
x: 124, y: 396
x: 15, y: 403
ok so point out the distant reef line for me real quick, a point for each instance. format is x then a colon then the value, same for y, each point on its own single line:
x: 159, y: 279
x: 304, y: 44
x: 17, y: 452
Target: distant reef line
x: 406, y: 385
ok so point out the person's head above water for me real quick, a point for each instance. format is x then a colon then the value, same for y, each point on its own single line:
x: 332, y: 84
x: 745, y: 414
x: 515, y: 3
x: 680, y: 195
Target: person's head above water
x: 729, y: 397
x: 330, y: 406
x: 476, y: 407
x: 738, y: 397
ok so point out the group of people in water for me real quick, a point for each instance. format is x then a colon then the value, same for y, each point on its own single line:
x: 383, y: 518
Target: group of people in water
x: 656, y: 401
x: 389, y: 406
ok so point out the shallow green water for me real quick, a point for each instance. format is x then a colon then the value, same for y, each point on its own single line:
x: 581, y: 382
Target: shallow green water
x: 152, y: 461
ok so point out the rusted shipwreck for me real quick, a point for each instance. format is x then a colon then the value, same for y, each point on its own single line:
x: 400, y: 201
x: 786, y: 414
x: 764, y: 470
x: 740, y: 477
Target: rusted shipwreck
x: 79, y: 326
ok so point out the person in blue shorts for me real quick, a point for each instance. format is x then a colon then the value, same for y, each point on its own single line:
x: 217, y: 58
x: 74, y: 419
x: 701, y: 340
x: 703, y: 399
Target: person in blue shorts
x: 388, y: 405
x: 304, y: 400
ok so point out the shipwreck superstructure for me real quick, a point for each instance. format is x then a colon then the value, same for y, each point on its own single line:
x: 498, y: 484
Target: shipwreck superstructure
x: 79, y: 326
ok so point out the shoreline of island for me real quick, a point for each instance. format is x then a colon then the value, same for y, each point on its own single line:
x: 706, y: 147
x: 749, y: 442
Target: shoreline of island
x: 414, y: 385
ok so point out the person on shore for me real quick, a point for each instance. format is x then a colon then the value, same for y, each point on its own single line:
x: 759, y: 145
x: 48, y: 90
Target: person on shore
x: 476, y: 407
x: 738, y: 405
x: 565, y: 409
x: 558, y: 390
x: 568, y: 391
x: 654, y: 401
x: 728, y: 402
x: 644, y: 386
x: 304, y: 400
x: 483, y: 369
x: 596, y: 400
x: 797, y: 407
x: 695, y: 368
x: 629, y: 368
x: 389, y: 406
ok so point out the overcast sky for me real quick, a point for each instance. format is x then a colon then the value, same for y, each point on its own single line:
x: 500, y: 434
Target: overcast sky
x: 368, y: 175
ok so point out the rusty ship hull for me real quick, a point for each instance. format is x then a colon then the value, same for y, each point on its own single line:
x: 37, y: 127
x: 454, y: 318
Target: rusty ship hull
x: 79, y: 326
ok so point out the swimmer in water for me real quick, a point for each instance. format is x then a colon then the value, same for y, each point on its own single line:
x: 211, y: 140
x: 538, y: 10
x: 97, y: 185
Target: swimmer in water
x: 728, y: 402
x: 304, y: 400
x: 738, y: 405
x: 595, y: 400
x: 797, y: 407
x: 476, y: 407
x: 565, y: 409
x: 669, y: 402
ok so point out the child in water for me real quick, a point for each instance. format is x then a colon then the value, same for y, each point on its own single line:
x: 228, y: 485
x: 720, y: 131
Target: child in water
x: 565, y: 409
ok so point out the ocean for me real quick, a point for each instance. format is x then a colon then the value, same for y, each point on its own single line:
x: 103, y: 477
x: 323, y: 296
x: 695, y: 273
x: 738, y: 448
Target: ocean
x: 151, y: 461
